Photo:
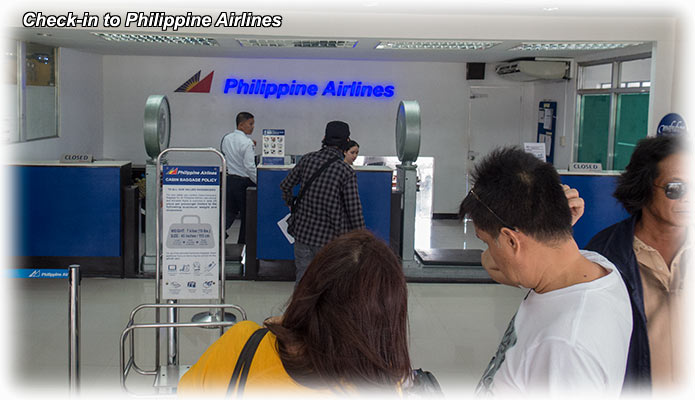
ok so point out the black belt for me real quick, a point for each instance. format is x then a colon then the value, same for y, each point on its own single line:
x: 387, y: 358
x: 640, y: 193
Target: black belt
x: 238, y: 176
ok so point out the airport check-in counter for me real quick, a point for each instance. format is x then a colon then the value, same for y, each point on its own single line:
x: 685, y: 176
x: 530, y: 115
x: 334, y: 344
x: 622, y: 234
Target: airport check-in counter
x: 374, y: 184
x: 75, y: 213
x: 601, y: 209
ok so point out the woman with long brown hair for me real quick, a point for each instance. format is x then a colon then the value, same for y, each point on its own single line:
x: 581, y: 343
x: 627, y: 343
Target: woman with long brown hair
x: 345, y: 330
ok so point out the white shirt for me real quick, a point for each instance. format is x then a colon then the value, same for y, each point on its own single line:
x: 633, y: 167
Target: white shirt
x: 238, y: 150
x: 572, y: 340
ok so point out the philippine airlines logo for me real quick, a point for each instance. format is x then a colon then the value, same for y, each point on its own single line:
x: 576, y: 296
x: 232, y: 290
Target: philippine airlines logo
x: 173, y: 171
x: 195, y: 85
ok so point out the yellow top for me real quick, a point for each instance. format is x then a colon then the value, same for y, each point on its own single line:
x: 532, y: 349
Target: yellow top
x: 211, y: 374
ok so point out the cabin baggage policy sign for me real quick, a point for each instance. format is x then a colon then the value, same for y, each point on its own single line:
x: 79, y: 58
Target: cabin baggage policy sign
x: 190, y: 232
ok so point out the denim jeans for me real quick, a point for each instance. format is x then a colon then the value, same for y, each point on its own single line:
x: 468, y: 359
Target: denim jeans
x: 303, y: 254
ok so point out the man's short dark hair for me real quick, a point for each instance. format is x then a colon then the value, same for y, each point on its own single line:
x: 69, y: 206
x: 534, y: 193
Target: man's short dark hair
x: 635, y: 184
x: 516, y: 188
x: 243, y: 117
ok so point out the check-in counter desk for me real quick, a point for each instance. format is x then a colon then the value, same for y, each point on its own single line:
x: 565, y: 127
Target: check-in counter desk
x: 374, y: 183
x: 76, y: 213
x: 601, y: 209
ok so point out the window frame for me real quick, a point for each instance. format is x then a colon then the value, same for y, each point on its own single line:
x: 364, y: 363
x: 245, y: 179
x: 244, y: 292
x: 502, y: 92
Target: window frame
x: 614, y: 91
x: 21, y: 96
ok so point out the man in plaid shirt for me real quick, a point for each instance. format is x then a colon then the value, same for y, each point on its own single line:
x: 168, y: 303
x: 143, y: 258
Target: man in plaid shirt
x: 330, y: 206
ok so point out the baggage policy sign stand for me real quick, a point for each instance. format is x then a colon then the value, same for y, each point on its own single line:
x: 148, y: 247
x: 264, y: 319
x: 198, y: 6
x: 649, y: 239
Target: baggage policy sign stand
x: 190, y: 262
x: 190, y: 210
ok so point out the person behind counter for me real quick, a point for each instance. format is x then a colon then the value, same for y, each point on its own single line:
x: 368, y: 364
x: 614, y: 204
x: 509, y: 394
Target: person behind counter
x: 345, y: 331
x: 238, y: 150
x: 649, y: 248
x: 571, y: 332
x: 351, y: 151
x: 330, y: 205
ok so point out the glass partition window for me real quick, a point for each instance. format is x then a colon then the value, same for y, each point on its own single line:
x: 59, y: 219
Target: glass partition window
x: 630, y: 126
x: 612, y: 110
x: 594, y: 116
x: 10, y: 131
x: 31, y: 92
x: 596, y: 76
x: 40, y: 92
x: 635, y: 73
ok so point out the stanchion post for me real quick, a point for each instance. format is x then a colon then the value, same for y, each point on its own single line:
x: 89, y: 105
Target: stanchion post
x: 172, y: 335
x: 74, y: 330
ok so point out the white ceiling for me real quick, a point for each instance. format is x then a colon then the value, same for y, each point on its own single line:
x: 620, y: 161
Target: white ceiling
x: 341, y: 20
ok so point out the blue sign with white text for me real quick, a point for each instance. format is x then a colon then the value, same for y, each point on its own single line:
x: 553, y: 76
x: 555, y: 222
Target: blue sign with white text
x: 671, y: 124
x: 190, y: 175
x: 38, y: 273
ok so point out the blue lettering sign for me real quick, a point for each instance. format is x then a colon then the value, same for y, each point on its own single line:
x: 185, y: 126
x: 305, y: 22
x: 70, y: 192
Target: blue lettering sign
x: 277, y: 90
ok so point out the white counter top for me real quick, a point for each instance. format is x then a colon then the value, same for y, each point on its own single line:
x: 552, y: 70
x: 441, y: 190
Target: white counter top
x: 359, y: 168
x: 587, y: 173
x: 55, y: 163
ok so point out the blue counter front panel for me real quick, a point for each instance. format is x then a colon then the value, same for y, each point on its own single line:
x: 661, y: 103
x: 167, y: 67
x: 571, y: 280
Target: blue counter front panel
x: 375, y: 195
x: 67, y: 211
x: 601, y: 209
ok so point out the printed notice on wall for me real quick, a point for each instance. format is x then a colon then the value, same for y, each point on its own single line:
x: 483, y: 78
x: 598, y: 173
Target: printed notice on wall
x: 190, y: 232
x: 537, y: 149
x: 273, y: 147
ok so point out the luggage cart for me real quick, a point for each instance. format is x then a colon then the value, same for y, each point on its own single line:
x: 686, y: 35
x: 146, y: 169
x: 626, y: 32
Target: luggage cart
x: 166, y: 377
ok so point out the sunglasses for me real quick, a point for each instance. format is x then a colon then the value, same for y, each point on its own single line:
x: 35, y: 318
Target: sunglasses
x: 674, y: 190
x: 504, y: 224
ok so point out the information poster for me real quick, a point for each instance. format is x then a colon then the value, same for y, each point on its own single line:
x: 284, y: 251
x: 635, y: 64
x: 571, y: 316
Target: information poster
x: 537, y: 149
x: 547, y: 118
x: 190, y: 232
x: 273, y: 146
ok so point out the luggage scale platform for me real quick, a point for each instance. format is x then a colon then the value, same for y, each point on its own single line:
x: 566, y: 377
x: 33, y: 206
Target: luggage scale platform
x: 448, y: 265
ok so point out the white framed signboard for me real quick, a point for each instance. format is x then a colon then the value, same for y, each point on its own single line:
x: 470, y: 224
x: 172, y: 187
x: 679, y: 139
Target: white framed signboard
x: 190, y: 232
x: 273, y: 147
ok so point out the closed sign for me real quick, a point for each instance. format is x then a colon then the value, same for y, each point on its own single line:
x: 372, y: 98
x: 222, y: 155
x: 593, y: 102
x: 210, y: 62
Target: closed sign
x: 585, y: 167
x: 76, y: 158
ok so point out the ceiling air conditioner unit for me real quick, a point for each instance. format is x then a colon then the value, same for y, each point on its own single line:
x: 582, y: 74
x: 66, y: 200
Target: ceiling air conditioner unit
x: 531, y: 70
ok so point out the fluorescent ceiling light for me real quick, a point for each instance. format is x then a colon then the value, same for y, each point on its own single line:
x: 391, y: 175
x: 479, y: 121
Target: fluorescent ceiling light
x: 146, y: 38
x: 435, y: 45
x: 547, y: 46
x: 319, y: 43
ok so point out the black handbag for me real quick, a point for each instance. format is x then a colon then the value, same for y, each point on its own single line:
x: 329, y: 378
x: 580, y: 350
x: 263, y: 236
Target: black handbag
x: 243, y: 364
x: 305, y: 187
x: 424, y: 385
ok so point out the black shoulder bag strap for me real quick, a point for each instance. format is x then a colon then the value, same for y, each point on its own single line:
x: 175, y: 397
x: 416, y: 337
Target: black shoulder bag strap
x: 306, y: 186
x: 243, y: 364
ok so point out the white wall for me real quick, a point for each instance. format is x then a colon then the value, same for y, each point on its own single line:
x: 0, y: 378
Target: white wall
x: 80, y: 110
x: 106, y: 119
x: 201, y: 119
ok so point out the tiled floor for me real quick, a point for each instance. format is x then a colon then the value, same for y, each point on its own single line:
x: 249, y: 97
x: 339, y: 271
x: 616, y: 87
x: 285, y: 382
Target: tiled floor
x: 454, y: 328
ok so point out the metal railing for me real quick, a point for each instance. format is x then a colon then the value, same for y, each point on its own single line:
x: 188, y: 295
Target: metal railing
x: 163, y: 382
x: 74, y: 330
x: 128, y: 362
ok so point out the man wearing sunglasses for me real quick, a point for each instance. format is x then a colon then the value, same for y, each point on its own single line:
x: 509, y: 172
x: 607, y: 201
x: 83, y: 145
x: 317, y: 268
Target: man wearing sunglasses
x: 571, y: 332
x: 649, y: 250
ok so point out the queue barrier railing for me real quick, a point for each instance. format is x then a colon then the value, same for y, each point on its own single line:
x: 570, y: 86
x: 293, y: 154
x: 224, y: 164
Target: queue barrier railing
x: 163, y: 385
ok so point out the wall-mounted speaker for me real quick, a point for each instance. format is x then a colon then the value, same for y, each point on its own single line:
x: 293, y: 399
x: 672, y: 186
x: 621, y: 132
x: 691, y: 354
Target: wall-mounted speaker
x: 475, y: 71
